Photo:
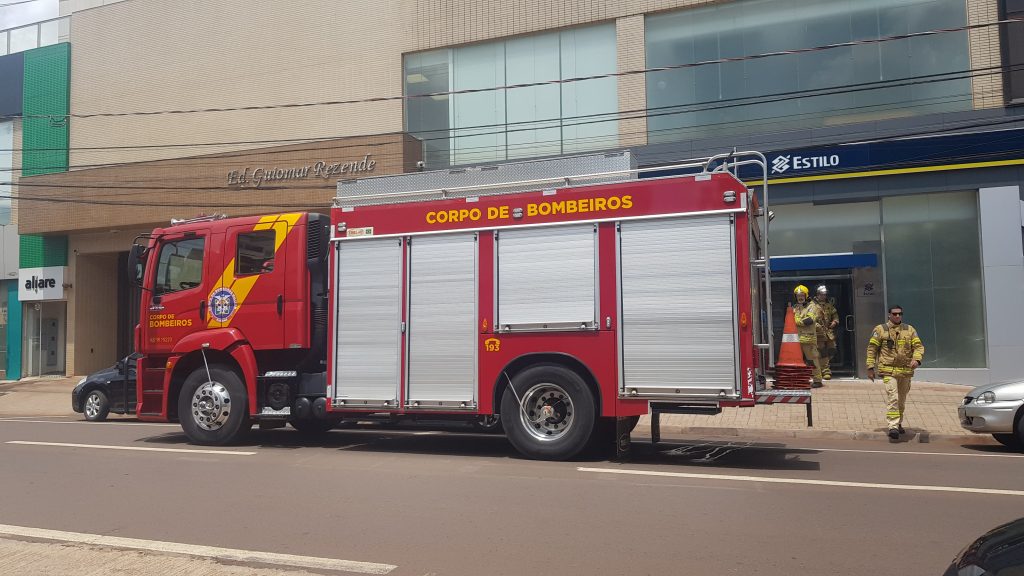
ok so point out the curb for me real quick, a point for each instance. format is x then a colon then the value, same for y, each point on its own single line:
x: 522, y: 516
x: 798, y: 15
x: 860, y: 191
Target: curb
x: 913, y: 436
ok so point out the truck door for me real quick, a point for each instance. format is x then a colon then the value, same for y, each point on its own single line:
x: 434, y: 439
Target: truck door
x: 176, y: 306
x: 678, y: 327
x: 250, y: 292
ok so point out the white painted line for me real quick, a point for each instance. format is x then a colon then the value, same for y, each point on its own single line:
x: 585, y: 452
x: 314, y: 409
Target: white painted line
x: 116, y: 422
x: 990, y: 491
x: 899, y: 452
x: 229, y: 554
x: 737, y: 445
x: 137, y: 448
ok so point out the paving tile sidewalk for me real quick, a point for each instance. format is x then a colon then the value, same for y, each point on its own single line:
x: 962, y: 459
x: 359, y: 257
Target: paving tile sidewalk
x: 842, y: 409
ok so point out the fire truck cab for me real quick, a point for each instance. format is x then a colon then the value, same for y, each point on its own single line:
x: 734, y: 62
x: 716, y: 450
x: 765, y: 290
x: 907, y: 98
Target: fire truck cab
x: 566, y: 295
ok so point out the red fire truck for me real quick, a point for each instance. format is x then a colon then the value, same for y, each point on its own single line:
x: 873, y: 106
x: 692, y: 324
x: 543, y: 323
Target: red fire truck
x: 569, y: 296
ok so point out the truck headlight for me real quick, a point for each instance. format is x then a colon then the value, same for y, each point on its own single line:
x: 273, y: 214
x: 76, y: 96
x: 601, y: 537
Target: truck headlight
x: 986, y: 398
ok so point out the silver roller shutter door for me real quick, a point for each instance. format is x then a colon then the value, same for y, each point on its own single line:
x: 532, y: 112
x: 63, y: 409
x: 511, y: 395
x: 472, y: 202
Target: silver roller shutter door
x: 546, y: 275
x: 368, y: 321
x: 442, y: 320
x: 677, y: 306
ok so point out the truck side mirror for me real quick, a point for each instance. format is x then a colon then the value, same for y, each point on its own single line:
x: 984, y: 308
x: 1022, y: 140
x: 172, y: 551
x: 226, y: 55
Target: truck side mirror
x: 137, y: 263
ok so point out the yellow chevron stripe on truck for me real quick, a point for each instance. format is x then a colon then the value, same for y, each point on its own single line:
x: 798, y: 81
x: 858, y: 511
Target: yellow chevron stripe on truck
x: 282, y: 225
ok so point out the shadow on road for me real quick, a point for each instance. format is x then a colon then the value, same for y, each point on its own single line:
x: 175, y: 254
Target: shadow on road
x: 736, y: 454
x: 989, y: 448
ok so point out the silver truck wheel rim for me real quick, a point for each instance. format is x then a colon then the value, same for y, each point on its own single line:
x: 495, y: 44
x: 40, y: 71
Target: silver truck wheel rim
x: 548, y: 412
x: 92, y: 405
x: 211, y: 406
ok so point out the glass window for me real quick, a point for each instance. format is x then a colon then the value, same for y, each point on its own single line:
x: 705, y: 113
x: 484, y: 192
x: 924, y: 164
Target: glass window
x: 255, y: 253
x: 499, y: 123
x: 932, y: 254
x: 1013, y: 48
x: 48, y: 33
x: 758, y: 94
x: 25, y: 38
x: 426, y: 75
x: 800, y: 229
x: 6, y: 170
x: 180, y: 266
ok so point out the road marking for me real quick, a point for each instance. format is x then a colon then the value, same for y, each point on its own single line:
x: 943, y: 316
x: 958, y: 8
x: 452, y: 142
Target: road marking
x: 230, y: 554
x: 900, y: 452
x: 771, y: 480
x: 138, y: 448
x: 116, y: 422
x: 736, y: 445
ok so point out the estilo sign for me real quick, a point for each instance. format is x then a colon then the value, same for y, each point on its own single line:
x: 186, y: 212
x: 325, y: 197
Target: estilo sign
x: 41, y: 283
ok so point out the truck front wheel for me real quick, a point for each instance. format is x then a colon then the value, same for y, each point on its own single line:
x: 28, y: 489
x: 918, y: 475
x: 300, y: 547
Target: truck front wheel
x: 213, y: 408
x: 548, y: 412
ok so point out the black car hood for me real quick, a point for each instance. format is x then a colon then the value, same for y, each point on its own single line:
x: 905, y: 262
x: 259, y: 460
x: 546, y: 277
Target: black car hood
x: 998, y: 549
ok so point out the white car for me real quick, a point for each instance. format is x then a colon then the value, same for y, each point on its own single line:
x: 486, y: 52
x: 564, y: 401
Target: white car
x: 996, y: 409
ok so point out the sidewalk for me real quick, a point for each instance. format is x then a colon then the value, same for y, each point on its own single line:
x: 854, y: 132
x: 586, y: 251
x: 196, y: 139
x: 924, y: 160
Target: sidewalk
x: 37, y: 397
x: 842, y: 409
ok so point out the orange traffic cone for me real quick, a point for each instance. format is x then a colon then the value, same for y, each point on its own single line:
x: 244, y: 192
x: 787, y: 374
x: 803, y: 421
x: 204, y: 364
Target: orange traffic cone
x: 791, y: 372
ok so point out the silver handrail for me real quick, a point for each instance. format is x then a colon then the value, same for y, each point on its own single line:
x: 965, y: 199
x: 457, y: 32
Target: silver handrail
x: 761, y: 162
x: 699, y: 164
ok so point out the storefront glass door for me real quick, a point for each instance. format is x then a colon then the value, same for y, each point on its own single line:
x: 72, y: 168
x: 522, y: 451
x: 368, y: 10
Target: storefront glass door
x: 44, y: 330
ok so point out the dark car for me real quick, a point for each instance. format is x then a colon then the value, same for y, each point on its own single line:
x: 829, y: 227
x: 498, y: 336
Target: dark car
x: 105, y: 390
x: 998, y: 551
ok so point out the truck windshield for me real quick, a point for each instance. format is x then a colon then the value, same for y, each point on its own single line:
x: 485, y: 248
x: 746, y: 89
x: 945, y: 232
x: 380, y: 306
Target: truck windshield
x: 180, y: 265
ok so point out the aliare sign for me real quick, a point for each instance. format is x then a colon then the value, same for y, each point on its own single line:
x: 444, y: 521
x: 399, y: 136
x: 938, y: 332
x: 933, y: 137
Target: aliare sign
x: 37, y: 284
x: 41, y: 283
x: 250, y: 177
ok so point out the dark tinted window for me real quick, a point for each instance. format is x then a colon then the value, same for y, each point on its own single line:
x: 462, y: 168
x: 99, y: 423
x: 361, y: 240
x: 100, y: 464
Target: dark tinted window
x: 255, y: 254
x: 1013, y: 46
x: 180, y: 266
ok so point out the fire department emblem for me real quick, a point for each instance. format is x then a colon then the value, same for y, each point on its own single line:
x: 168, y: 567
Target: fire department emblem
x: 222, y: 304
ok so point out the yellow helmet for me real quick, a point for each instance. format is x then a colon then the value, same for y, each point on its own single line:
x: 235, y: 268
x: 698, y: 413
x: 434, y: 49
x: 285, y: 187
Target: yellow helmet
x: 799, y: 289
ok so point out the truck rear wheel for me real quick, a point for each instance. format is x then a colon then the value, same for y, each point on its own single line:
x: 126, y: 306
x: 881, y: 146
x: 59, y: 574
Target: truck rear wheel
x: 548, y: 412
x: 214, y: 409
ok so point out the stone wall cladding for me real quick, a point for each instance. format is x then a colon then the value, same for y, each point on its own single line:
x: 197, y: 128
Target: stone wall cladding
x: 986, y: 86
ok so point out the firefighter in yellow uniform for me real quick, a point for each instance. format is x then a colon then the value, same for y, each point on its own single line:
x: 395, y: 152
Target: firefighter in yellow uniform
x: 827, y: 337
x: 894, y: 351
x: 808, y: 323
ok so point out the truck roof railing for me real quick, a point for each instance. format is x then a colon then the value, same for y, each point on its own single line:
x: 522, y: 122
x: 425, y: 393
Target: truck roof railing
x: 504, y: 178
x: 512, y: 177
x: 209, y: 218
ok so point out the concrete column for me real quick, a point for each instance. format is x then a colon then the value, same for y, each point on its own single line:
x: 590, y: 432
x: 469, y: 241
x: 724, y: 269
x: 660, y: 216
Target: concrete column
x: 629, y: 36
x: 1002, y: 216
x: 987, y: 87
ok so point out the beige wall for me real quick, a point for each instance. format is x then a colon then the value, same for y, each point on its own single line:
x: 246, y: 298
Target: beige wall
x: 92, y: 319
x: 150, y: 55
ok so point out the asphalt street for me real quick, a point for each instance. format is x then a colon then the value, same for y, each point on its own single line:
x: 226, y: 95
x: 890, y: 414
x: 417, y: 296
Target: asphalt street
x: 416, y: 502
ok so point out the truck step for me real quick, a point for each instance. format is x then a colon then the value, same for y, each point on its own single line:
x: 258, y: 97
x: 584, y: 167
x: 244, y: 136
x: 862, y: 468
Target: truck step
x: 787, y: 397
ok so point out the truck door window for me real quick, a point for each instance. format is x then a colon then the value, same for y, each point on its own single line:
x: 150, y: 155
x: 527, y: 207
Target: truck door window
x: 255, y: 253
x: 180, y: 266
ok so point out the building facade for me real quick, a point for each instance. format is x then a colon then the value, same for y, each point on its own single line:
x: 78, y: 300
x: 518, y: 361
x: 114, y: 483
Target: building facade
x: 890, y: 126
